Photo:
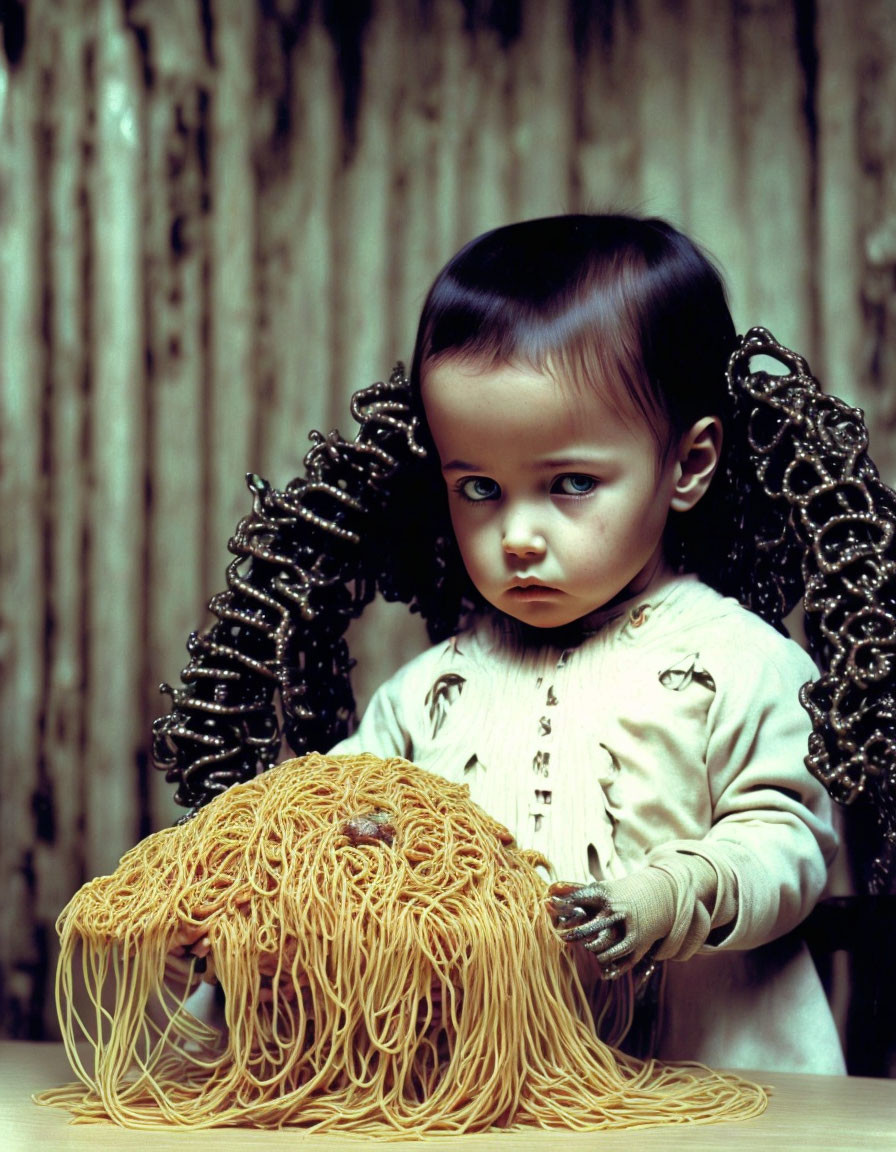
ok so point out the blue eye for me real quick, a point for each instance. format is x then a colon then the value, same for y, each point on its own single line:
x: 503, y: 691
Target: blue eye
x: 574, y: 484
x: 478, y: 488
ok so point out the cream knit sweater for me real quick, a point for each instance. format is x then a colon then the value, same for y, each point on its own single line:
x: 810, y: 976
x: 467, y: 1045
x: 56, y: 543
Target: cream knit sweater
x: 673, y: 728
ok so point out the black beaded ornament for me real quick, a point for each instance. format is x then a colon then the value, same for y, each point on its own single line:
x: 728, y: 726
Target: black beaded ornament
x: 304, y: 568
x: 826, y: 533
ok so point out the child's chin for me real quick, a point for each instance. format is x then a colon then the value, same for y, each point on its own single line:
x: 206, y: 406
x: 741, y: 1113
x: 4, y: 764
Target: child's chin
x: 544, y: 628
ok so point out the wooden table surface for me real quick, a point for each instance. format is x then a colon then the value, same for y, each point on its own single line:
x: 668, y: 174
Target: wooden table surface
x: 805, y: 1112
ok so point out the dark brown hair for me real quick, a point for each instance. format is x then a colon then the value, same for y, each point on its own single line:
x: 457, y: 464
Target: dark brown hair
x: 625, y: 304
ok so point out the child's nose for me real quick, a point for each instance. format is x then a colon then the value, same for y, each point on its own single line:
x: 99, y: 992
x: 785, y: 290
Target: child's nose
x: 520, y: 536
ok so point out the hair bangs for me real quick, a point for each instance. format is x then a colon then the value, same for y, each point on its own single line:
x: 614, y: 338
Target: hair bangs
x: 585, y: 330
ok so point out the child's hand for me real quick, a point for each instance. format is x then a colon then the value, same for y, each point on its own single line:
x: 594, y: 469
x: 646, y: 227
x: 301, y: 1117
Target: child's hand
x: 617, y: 920
x: 190, y: 959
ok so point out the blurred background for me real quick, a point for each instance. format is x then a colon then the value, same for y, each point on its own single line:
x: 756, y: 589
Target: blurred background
x: 219, y: 218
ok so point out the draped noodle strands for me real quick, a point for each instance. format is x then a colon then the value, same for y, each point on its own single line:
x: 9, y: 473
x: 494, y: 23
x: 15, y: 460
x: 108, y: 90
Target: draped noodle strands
x: 388, y: 967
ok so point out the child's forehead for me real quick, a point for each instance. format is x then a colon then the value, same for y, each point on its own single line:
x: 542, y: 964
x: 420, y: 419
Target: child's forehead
x: 504, y: 385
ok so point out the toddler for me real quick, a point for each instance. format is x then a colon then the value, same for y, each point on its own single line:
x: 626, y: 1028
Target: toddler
x: 603, y: 698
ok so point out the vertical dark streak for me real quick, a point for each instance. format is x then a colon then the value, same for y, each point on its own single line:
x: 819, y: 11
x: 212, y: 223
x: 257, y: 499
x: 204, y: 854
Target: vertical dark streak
x: 505, y: 17
x: 465, y: 221
x: 25, y: 1012
x: 337, y: 297
x: 206, y: 438
x: 873, y: 112
x: 396, y: 214
x: 741, y: 135
x: 207, y: 21
x: 509, y: 112
x: 273, y: 58
x: 138, y: 813
x: 143, y: 792
x: 337, y: 224
x: 206, y: 447
x: 29, y: 952
x: 579, y: 26
x: 346, y: 24
x: 806, y: 18
x: 277, y: 36
x: 142, y: 771
x: 88, y: 332
x: 14, y: 27
x: 43, y: 940
x: 42, y: 794
x: 593, y: 21
x: 140, y: 32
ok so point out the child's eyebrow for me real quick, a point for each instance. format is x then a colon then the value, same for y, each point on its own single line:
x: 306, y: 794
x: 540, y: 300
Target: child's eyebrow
x: 588, y: 459
x: 584, y: 458
x: 460, y: 466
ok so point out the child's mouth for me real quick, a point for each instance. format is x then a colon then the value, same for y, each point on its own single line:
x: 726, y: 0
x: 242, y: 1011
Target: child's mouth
x: 532, y: 591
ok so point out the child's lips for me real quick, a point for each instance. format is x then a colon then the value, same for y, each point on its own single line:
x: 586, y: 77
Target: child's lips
x: 532, y: 591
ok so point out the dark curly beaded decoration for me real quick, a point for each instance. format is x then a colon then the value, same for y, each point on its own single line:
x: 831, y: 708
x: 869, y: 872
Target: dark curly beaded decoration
x: 829, y: 536
x: 305, y: 566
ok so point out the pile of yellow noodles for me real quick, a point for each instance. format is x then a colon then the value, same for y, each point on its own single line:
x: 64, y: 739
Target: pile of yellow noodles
x: 406, y: 983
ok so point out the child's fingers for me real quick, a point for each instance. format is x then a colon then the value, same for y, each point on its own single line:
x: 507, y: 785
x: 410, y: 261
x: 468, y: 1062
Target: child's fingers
x: 178, y: 965
x: 200, y: 947
x: 613, y: 969
x: 566, y: 914
x: 603, y: 925
x: 187, y: 935
x: 571, y: 904
x: 561, y: 889
x: 613, y: 954
x: 208, y: 974
x: 189, y: 957
x: 181, y: 970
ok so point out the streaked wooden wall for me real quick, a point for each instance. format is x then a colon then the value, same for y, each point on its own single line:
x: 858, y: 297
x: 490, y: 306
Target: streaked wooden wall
x: 218, y: 218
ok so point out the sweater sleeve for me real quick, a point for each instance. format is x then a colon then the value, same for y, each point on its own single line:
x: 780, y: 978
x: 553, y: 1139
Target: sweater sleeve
x: 392, y: 724
x: 772, y: 837
x: 381, y: 730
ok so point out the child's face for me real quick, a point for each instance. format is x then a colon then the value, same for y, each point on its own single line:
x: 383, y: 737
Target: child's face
x: 558, y: 501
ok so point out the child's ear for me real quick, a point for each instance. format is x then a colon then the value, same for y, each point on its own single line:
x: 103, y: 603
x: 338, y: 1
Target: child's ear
x: 698, y: 457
